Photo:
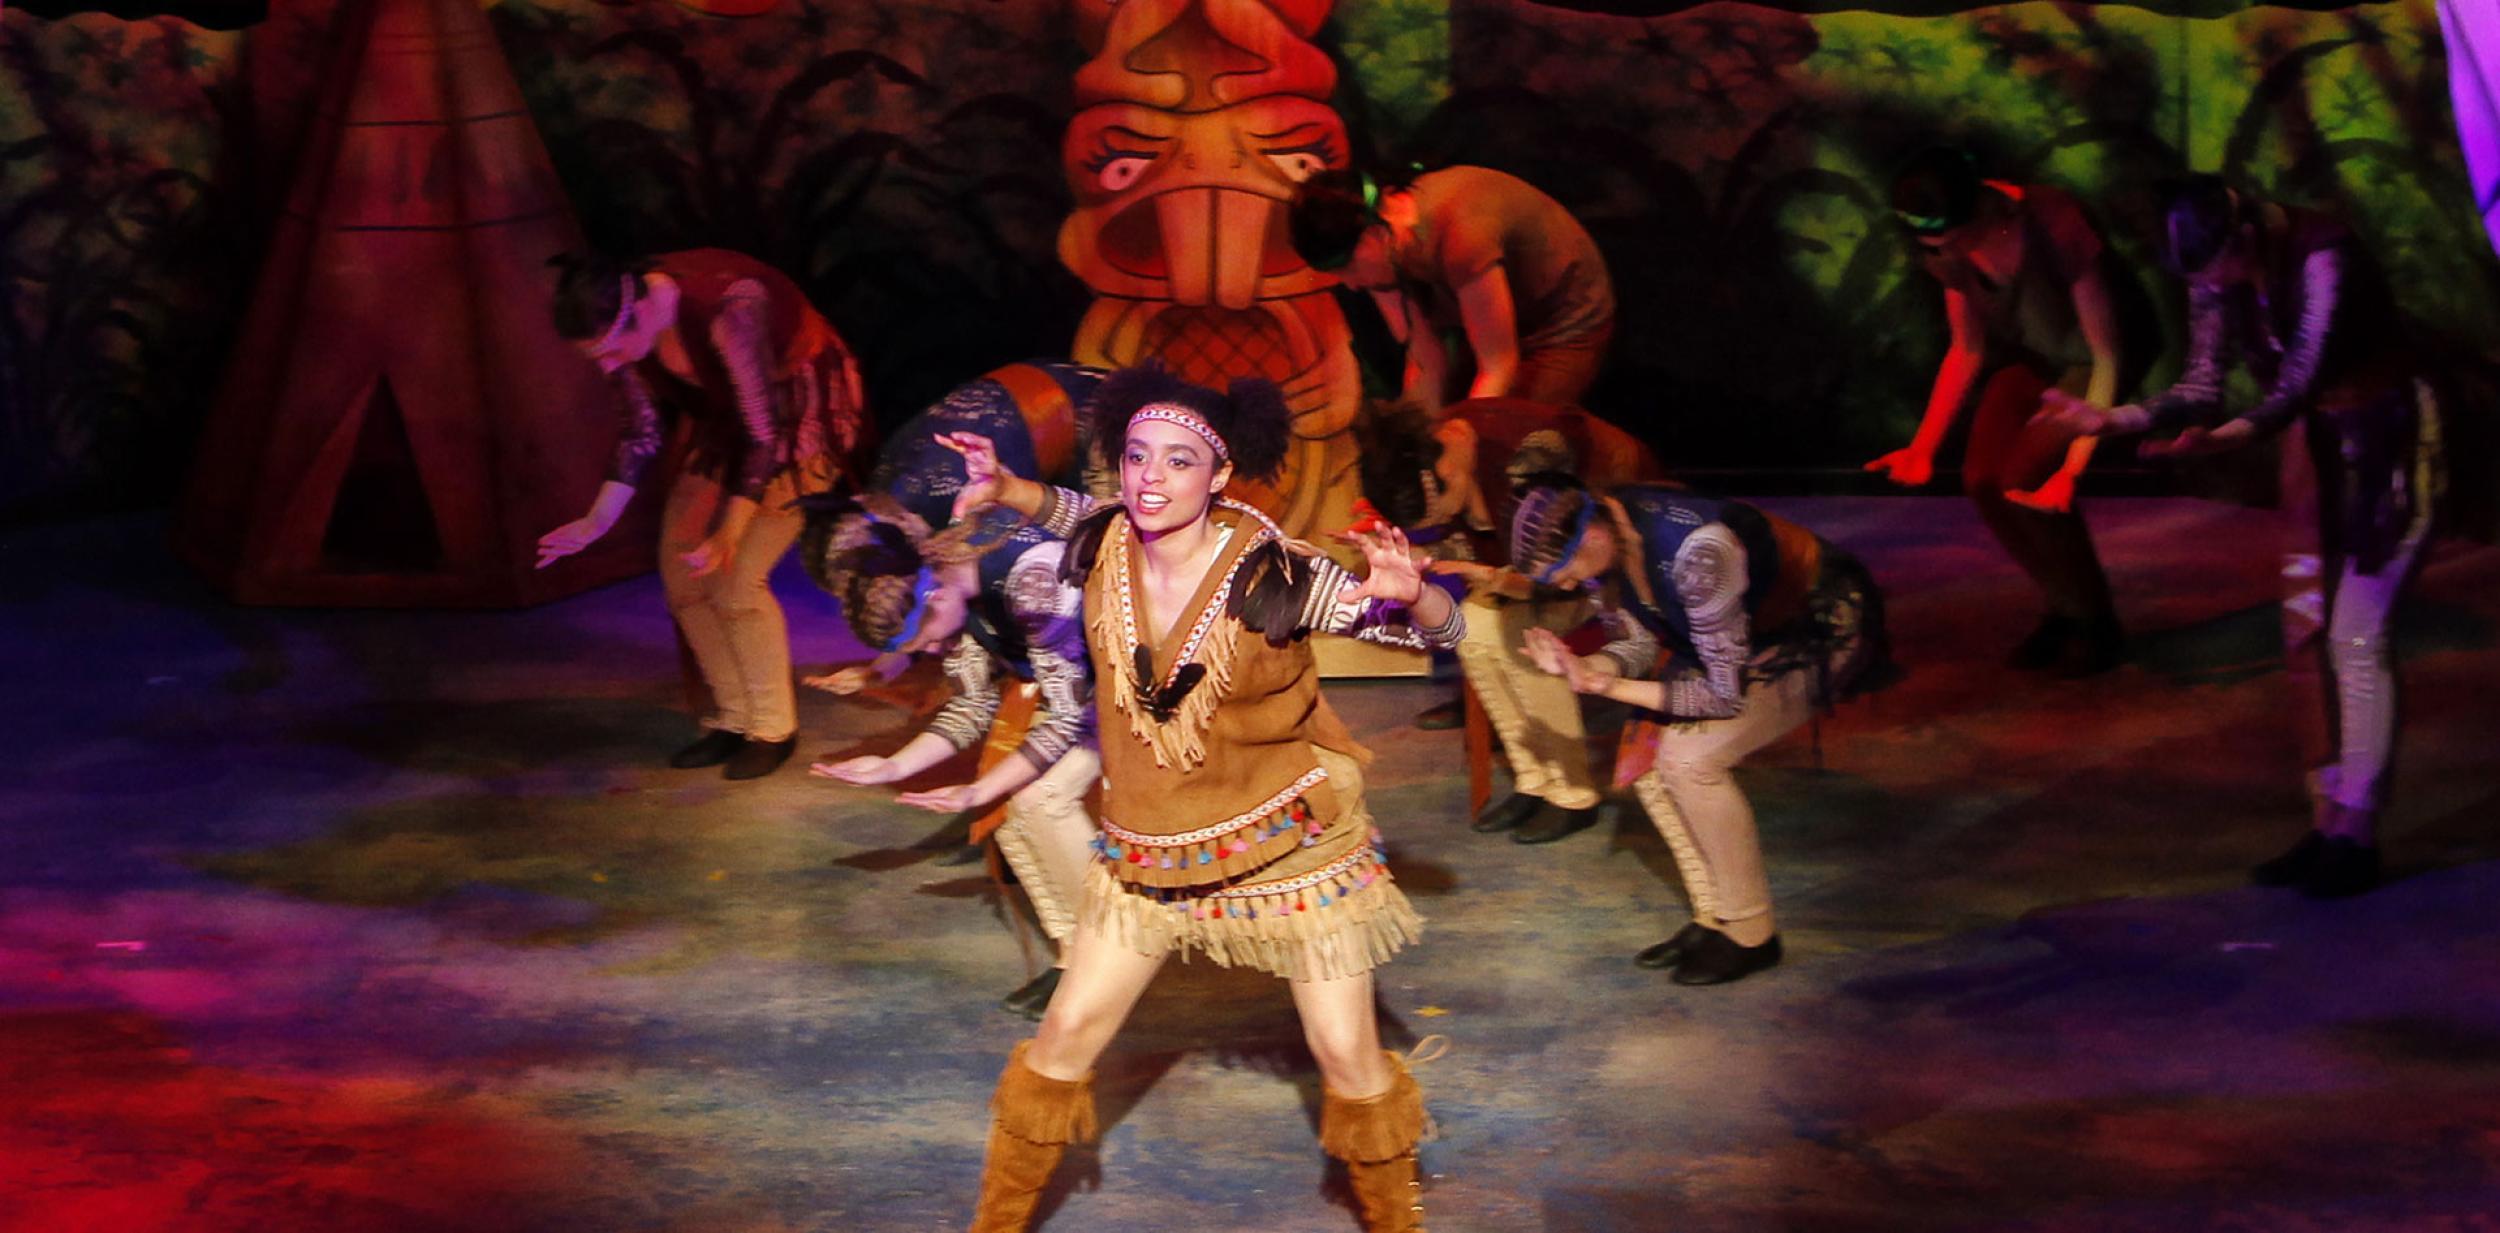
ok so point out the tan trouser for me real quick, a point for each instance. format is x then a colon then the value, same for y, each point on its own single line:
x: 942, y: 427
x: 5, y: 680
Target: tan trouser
x: 1693, y: 799
x: 730, y: 619
x: 1048, y: 839
x: 1534, y: 712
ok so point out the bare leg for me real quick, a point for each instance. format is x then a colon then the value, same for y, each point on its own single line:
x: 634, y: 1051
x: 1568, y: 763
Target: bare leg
x: 1340, y: 1025
x: 1371, y: 1113
x: 1104, y: 980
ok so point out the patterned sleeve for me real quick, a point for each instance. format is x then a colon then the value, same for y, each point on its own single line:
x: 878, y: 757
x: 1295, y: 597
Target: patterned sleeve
x: 1062, y: 509
x: 2321, y: 278
x: 2199, y: 386
x: 1630, y: 644
x: 1371, y: 620
x: 742, y: 334
x: 965, y: 719
x: 1050, y: 613
x: 1710, y: 582
x: 640, y: 436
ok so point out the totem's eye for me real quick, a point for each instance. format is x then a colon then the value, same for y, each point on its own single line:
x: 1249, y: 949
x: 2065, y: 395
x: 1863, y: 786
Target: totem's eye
x: 1118, y: 173
x: 1300, y: 160
x: 1115, y: 164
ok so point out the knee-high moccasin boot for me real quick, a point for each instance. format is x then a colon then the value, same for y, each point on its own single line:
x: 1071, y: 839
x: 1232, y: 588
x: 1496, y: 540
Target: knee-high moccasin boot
x: 1033, y: 1120
x: 1375, y: 1137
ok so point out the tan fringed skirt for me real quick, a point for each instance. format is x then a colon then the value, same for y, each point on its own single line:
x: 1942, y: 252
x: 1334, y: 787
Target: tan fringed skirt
x: 1293, y: 919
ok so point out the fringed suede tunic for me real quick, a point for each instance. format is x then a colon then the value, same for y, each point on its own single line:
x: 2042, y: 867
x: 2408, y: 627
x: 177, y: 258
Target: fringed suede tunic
x: 1233, y: 817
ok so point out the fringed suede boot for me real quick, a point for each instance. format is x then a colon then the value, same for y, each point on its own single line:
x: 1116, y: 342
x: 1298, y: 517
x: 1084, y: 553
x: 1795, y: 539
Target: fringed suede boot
x: 1033, y: 1119
x: 1376, y: 1137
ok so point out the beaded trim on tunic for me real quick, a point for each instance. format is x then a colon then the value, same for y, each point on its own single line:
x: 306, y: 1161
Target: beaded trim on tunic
x: 1218, y: 601
x: 1310, y: 779
x: 1197, y: 630
x: 1363, y: 854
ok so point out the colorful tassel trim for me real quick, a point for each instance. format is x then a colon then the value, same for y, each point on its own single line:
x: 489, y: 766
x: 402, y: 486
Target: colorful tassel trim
x: 1214, y: 854
x: 1342, y: 919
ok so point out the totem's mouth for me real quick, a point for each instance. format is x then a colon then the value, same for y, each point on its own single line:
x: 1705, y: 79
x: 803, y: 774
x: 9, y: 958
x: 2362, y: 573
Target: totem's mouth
x: 1212, y: 246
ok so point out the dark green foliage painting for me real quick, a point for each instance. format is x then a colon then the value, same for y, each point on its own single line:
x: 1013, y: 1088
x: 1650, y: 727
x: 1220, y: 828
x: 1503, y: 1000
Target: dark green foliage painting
x: 898, y: 157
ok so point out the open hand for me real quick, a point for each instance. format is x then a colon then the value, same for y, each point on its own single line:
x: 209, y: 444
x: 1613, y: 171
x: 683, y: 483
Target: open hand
x: 2056, y: 496
x: 1545, y: 649
x: 1394, y: 574
x: 843, y: 681
x: 984, y: 478
x: 1908, y: 466
x: 2201, y: 440
x: 2070, y: 416
x: 864, y: 770
x: 954, y: 798
x: 568, y: 539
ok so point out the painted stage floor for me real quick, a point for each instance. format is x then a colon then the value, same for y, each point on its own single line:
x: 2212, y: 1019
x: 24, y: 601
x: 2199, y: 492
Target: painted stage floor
x: 391, y: 922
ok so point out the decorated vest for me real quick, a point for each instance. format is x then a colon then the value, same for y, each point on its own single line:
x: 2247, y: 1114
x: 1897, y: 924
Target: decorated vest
x: 1222, y: 780
x: 795, y: 335
x: 1782, y: 560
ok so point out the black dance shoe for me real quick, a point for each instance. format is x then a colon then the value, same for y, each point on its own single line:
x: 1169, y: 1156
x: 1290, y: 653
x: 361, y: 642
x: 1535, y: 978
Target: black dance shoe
x: 2343, y: 868
x: 1032, y: 997
x: 1513, y: 810
x: 2293, y: 866
x: 1554, y: 822
x: 1668, y: 953
x: 1716, y: 959
x: 710, y: 749
x: 756, y: 759
x: 2040, y: 647
x: 1441, y: 717
x: 2091, y: 648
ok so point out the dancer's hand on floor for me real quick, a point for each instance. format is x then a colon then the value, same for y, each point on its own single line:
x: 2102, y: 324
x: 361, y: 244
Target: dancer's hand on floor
x: 2057, y: 496
x: 952, y: 799
x: 864, y: 770
x: 1908, y: 466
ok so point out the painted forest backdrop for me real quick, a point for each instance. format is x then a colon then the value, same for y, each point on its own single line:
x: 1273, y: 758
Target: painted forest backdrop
x: 899, y: 157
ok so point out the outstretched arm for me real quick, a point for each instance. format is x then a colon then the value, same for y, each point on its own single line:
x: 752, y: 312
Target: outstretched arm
x: 1914, y: 464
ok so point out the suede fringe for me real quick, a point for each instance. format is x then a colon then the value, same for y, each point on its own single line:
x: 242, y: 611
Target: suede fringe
x: 1375, y: 1128
x: 1113, y: 621
x: 1036, y: 1108
x: 1343, y: 926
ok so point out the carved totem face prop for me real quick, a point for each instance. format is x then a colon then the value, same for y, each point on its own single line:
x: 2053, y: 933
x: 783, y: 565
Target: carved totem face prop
x: 1196, y: 119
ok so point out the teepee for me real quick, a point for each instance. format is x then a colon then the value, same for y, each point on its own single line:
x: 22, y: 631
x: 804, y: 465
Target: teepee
x: 399, y: 421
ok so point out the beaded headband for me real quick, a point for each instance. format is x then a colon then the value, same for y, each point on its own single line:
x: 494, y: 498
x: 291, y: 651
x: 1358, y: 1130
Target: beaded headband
x: 1171, y: 413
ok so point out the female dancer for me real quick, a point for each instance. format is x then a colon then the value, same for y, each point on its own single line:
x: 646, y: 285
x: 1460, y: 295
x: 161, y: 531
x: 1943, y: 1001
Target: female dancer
x: 1233, y: 816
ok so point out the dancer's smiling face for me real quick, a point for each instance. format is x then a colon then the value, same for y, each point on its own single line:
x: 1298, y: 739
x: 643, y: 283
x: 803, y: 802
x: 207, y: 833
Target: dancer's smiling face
x: 1169, y: 475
